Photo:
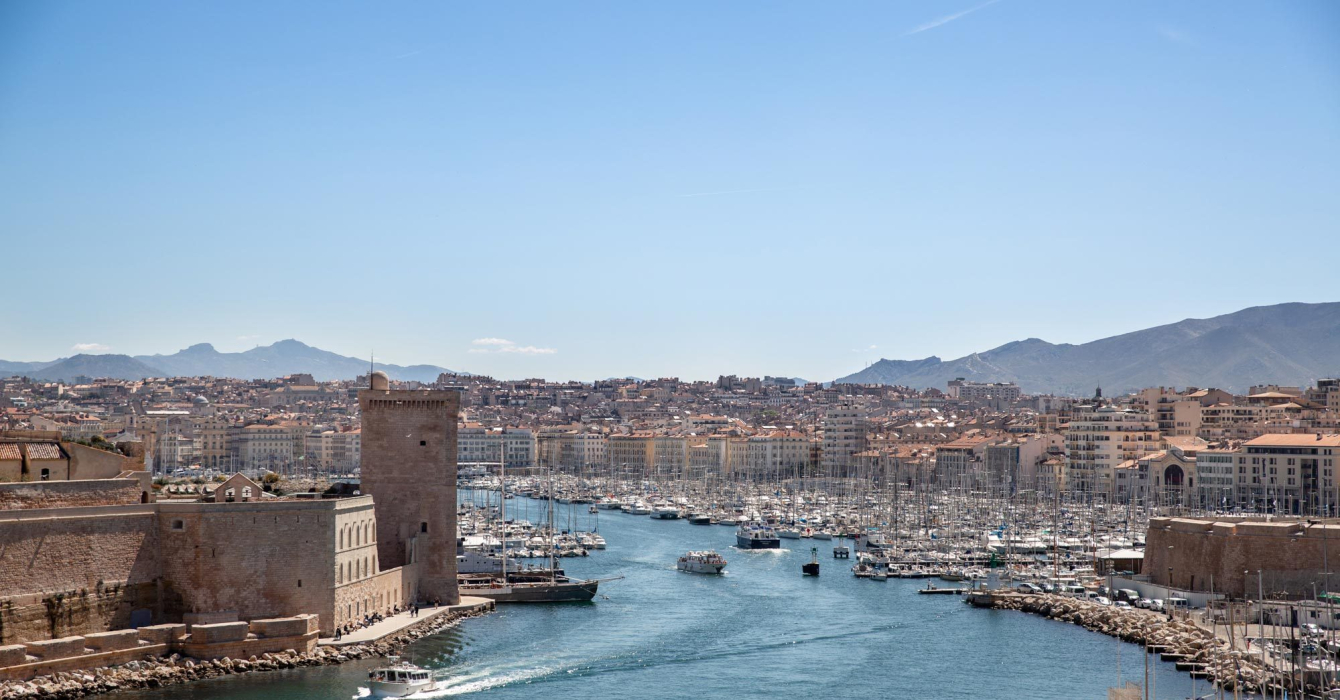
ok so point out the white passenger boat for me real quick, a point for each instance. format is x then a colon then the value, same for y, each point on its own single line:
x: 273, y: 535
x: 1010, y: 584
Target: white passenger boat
x: 400, y: 679
x: 708, y: 562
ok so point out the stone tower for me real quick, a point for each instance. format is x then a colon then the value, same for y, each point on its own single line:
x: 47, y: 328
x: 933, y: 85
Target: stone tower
x: 409, y: 468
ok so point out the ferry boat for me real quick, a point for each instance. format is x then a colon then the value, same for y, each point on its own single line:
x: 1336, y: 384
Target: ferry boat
x: 666, y: 512
x: 708, y: 562
x: 699, y: 519
x: 756, y: 537
x: 400, y: 679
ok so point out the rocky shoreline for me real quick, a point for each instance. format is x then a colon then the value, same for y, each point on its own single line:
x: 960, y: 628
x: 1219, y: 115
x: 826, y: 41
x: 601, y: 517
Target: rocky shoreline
x: 1177, y: 639
x: 173, y: 669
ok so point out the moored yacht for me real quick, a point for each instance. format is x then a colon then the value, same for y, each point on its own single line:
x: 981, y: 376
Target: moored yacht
x: 708, y: 562
x: 665, y: 512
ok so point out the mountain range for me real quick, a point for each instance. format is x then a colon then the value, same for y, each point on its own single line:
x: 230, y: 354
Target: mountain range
x: 1287, y: 344
x: 265, y: 362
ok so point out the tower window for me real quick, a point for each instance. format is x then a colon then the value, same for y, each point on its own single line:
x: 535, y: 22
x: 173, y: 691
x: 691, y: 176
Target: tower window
x: 423, y: 527
x: 423, y: 443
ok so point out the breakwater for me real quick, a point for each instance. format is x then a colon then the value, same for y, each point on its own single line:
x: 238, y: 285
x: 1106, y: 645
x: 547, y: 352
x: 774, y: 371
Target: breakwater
x: 175, y: 668
x: 1193, y: 647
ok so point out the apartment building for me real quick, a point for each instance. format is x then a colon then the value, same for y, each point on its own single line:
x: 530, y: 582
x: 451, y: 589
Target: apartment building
x: 1100, y: 437
x: 844, y: 431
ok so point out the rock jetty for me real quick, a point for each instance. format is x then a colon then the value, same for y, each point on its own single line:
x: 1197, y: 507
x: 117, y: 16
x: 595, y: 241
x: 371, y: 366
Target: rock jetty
x: 1195, y: 648
x: 179, y: 669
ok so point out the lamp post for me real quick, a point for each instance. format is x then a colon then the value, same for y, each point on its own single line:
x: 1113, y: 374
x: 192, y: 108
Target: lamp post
x: 1168, y: 602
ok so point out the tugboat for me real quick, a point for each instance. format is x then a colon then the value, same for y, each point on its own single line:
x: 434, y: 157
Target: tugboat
x: 708, y: 562
x: 400, y: 679
x: 812, y: 568
x: 756, y: 537
x: 699, y: 519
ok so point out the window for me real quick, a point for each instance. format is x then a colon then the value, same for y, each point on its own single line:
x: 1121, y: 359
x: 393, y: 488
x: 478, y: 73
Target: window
x: 423, y: 443
x: 178, y: 525
x: 423, y: 527
x: 46, y: 475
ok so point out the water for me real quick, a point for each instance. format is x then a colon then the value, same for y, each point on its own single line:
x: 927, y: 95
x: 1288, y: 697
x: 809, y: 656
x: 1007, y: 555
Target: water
x: 760, y: 631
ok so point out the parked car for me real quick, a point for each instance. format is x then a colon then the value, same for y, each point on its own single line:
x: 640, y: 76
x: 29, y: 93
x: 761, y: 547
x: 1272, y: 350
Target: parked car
x: 1027, y: 587
x: 1102, y: 600
x: 1123, y: 605
x: 1143, y: 603
x: 1156, y: 605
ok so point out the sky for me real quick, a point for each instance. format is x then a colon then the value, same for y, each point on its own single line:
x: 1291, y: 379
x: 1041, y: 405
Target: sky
x: 582, y: 190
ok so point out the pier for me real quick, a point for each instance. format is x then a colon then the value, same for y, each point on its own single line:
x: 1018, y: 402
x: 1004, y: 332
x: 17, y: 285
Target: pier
x: 399, y: 622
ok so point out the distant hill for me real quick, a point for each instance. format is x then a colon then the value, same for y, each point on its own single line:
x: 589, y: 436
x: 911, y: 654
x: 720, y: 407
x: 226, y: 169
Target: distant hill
x: 94, y: 366
x: 279, y: 359
x: 1288, y: 344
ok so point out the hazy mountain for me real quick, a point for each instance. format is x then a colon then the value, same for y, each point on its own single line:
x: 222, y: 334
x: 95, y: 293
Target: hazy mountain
x: 1289, y: 344
x: 282, y: 358
x: 9, y: 369
x: 93, y: 366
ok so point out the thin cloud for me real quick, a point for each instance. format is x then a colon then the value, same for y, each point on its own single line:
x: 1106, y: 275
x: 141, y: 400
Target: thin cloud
x: 247, y: 337
x: 1176, y: 36
x: 90, y: 347
x: 947, y: 19
x: 867, y: 349
x: 407, y: 55
x: 502, y: 345
x: 713, y: 194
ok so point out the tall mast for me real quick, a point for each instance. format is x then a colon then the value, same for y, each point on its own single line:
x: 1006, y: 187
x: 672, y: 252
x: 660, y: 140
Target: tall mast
x: 502, y: 514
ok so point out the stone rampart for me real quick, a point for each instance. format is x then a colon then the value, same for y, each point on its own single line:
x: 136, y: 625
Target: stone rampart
x: 112, y: 641
x: 220, y: 632
x: 1226, y: 555
x: 25, y: 495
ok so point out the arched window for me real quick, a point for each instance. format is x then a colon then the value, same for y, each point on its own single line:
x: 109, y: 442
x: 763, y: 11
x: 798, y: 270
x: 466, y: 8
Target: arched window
x: 341, y: 538
x: 246, y: 492
x: 365, y: 533
x: 374, y: 563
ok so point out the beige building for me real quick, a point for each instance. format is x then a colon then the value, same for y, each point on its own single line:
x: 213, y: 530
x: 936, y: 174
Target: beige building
x: 1098, y: 439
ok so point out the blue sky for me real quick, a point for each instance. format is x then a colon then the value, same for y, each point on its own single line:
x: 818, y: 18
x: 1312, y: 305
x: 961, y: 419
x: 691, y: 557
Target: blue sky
x: 654, y: 189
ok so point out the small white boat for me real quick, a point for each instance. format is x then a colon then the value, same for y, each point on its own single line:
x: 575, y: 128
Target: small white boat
x: 400, y: 679
x: 708, y: 562
x: 788, y: 534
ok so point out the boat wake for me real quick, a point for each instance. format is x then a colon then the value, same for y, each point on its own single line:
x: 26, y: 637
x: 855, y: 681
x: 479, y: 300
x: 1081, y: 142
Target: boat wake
x: 483, y: 679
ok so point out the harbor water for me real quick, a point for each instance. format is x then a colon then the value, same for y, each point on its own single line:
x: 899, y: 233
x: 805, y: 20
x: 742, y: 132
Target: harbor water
x: 760, y: 631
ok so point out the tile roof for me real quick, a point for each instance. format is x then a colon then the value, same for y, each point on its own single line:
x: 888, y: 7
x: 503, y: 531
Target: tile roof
x: 44, y: 450
x: 10, y: 450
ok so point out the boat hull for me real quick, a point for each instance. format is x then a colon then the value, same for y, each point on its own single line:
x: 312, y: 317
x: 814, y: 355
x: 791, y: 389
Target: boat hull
x: 564, y: 592
x: 757, y: 542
